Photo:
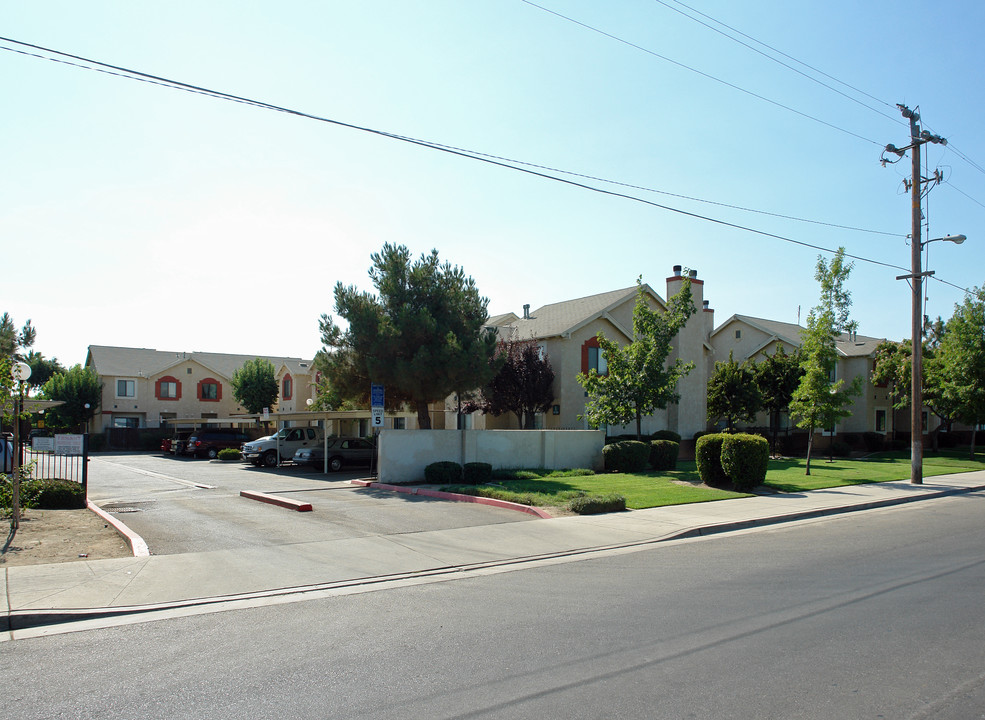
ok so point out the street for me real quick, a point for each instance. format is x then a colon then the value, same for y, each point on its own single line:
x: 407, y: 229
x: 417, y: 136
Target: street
x: 866, y: 615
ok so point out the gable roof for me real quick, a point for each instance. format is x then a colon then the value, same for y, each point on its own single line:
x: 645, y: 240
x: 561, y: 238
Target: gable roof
x: 846, y: 345
x: 567, y: 316
x: 145, y: 362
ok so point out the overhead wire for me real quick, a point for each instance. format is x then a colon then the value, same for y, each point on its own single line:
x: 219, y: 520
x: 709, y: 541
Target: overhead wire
x: 492, y: 160
x: 703, y: 74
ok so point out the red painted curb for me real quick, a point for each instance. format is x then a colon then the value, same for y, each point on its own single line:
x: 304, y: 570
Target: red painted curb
x: 137, y: 545
x: 457, y: 497
x: 276, y: 500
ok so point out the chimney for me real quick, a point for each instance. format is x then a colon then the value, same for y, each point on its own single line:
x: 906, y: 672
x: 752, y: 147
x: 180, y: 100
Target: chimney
x: 677, y: 271
x: 693, y: 274
x: 706, y: 303
x: 526, y: 311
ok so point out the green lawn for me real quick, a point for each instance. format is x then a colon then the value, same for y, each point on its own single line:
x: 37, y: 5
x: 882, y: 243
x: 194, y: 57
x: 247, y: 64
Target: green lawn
x: 681, y: 486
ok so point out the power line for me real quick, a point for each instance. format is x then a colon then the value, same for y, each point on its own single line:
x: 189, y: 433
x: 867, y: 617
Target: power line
x: 175, y: 85
x: 702, y: 73
x: 789, y: 57
x: 185, y: 87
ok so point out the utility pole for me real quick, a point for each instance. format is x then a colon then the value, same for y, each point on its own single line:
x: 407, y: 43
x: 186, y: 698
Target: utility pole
x: 917, y: 139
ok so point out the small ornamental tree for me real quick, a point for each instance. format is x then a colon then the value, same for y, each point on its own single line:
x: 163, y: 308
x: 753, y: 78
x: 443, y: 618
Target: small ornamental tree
x: 733, y: 393
x: 76, y: 388
x: 777, y: 376
x: 891, y: 369
x: 639, y: 379
x: 819, y: 401
x: 255, y: 385
x: 523, y: 385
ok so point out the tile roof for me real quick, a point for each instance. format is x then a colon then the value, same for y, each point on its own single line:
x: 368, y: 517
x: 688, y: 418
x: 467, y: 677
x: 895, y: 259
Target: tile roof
x: 143, y: 362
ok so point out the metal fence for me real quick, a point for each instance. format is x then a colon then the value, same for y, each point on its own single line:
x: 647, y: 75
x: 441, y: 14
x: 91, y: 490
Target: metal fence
x: 62, y: 457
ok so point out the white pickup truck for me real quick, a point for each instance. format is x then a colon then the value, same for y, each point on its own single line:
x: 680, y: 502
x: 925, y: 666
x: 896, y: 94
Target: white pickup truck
x: 271, y: 450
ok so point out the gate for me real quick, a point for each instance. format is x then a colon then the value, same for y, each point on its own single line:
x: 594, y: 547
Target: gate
x: 62, y: 457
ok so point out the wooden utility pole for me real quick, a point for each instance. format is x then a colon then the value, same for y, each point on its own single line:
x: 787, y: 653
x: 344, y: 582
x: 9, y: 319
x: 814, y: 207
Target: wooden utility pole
x: 916, y: 311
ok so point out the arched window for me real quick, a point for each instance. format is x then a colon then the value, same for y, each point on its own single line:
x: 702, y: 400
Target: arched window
x: 167, y: 388
x: 287, y: 387
x: 209, y: 390
x: 592, y: 357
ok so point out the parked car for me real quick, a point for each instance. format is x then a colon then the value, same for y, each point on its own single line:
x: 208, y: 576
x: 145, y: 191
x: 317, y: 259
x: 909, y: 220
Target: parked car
x: 175, y: 445
x: 341, y: 451
x: 208, y: 443
x: 264, y: 451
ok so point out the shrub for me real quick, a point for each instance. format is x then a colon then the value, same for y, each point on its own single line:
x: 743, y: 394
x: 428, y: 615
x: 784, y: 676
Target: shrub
x: 794, y: 445
x: 840, y: 448
x: 52, y: 495
x: 230, y: 454
x: 663, y: 454
x: 443, y: 472
x: 873, y: 441
x: 947, y: 440
x: 666, y: 435
x: 708, y: 456
x: 853, y: 439
x: 477, y: 473
x: 594, y: 504
x: 626, y: 456
x: 744, y: 459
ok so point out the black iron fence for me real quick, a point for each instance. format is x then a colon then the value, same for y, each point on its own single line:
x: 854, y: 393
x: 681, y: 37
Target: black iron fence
x: 62, y: 457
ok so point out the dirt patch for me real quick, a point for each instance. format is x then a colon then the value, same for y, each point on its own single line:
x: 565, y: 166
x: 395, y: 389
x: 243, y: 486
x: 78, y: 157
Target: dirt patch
x: 54, y: 536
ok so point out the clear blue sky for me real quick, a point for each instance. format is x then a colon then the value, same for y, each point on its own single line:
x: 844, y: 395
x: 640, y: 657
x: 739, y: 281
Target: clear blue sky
x: 137, y: 215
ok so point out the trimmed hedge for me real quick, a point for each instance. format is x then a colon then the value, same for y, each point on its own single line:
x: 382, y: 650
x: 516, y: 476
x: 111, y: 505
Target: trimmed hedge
x: 46, y: 495
x: 663, y: 454
x: 626, y: 456
x: 443, y: 472
x: 230, y: 454
x: 708, y: 457
x: 594, y: 504
x: 666, y: 435
x: 744, y: 459
x: 477, y: 473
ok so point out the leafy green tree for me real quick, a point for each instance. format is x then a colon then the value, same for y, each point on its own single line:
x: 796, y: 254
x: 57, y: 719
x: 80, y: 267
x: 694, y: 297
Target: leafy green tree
x: 523, y: 384
x: 961, y: 361
x: 819, y: 401
x: 733, y: 393
x: 41, y: 368
x: 891, y: 368
x: 421, y: 335
x: 75, y: 387
x: 327, y: 397
x: 255, y: 385
x: 777, y: 376
x: 12, y: 341
x: 639, y: 380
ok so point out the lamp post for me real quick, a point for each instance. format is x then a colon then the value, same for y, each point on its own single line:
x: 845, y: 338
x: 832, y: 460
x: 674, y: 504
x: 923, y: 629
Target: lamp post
x: 20, y: 372
x: 916, y: 365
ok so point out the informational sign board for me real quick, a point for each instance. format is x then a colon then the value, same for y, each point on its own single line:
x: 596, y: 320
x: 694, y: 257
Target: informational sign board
x: 68, y: 444
x: 376, y: 396
x: 377, y: 417
x: 43, y: 444
x: 266, y: 413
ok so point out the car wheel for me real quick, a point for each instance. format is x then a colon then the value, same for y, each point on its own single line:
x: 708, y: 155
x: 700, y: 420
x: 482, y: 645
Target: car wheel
x: 270, y: 458
x: 212, y: 453
x: 335, y: 464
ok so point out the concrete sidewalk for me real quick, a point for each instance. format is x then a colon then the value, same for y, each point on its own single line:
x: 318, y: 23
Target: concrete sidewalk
x: 33, y: 596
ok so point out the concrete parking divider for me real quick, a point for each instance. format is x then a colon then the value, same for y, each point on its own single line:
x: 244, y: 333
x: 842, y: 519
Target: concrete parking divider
x: 277, y: 500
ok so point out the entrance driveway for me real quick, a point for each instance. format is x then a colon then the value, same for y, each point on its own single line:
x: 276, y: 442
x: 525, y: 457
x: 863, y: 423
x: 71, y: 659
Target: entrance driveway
x: 181, y: 505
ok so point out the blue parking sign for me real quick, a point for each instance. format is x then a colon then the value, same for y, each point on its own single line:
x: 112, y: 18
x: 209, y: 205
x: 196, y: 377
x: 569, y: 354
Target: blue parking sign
x: 376, y: 395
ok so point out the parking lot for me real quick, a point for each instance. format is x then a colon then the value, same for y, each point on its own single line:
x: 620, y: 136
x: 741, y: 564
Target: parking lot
x: 182, y: 505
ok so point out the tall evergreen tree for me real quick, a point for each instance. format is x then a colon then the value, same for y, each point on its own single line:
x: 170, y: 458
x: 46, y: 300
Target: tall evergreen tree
x: 421, y: 335
x: 639, y: 380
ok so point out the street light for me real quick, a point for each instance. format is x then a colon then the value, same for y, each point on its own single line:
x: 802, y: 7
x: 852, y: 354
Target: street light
x: 916, y: 366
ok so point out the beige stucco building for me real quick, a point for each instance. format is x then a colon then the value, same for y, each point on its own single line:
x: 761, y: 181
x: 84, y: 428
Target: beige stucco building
x: 567, y: 331
x: 147, y: 388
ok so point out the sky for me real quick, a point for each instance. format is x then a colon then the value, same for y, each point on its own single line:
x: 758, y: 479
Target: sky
x: 138, y: 215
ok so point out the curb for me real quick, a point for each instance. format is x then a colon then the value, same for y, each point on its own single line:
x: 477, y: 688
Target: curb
x: 137, y: 544
x: 457, y: 497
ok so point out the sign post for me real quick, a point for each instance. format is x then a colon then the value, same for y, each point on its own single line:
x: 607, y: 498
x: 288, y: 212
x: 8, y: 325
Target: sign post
x: 376, y: 405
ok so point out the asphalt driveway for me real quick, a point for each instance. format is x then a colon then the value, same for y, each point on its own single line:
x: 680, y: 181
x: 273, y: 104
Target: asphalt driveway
x: 181, y: 505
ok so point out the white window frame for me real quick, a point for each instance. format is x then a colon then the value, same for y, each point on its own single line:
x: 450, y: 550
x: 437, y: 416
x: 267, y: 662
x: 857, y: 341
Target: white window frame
x: 126, y: 380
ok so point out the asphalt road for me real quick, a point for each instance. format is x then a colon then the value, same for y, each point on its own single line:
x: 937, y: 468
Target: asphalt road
x: 180, y: 505
x: 870, y: 615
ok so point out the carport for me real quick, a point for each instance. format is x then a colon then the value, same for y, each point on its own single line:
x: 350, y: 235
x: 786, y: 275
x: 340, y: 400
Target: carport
x: 330, y: 420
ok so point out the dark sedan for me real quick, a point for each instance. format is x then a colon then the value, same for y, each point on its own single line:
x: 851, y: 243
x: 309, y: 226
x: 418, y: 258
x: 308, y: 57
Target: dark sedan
x: 342, y: 451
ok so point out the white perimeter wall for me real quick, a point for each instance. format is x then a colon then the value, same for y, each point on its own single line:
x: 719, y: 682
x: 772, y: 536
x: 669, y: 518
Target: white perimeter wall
x: 405, y: 453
